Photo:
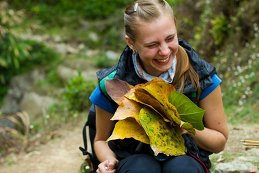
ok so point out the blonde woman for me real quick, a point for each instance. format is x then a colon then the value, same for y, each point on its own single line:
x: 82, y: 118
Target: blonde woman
x: 154, y: 50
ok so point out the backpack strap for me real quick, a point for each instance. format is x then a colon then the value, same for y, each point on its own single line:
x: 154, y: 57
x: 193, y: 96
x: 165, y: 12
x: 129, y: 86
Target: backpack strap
x: 85, y: 150
x: 102, y: 82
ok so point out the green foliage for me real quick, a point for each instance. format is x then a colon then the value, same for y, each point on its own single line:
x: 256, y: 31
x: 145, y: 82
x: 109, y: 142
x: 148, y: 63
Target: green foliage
x: 10, y: 18
x: 77, y: 93
x: 50, y: 11
x: 219, y: 29
x: 102, y: 9
x: 174, y: 2
x: 240, y: 80
x: 18, y: 55
x: 12, y: 52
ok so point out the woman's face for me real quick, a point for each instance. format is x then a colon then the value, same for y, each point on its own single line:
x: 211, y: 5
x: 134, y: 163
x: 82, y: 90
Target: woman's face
x: 156, y: 43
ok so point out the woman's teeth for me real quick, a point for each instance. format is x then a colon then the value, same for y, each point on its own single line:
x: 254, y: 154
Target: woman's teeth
x: 162, y: 60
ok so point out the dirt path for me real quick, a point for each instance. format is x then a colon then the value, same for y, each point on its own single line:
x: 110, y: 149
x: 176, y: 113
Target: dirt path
x: 62, y: 155
x: 238, y: 133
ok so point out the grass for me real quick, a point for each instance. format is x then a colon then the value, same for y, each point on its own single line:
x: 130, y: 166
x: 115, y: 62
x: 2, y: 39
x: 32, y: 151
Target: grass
x: 247, y: 113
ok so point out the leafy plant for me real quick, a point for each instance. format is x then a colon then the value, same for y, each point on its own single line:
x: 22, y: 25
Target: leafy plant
x: 102, y: 9
x: 219, y: 29
x: 77, y: 92
x: 9, y: 18
x: 12, y: 52
x: 240, y: 80
x: 18, y: 56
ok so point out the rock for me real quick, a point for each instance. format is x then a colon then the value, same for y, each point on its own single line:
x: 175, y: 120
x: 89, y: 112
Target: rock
x: 66, y: 73
x: 11, y: 102
x: 93, y: 36
x: 35, y: 104
x: 235, y: 166
x: 18, y: 86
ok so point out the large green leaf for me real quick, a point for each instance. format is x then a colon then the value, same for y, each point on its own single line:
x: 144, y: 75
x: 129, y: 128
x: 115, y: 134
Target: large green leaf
x: 188, y: 111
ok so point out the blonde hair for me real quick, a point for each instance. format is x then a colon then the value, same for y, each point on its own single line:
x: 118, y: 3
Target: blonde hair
x: 148, y: 10
x: 145, y: 10
x: 185, y: 71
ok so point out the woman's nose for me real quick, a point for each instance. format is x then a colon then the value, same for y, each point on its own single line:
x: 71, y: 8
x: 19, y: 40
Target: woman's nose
x: 164, y: 50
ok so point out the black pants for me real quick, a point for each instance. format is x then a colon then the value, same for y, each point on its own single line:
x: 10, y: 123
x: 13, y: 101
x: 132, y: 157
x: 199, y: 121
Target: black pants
x: 143, y: 163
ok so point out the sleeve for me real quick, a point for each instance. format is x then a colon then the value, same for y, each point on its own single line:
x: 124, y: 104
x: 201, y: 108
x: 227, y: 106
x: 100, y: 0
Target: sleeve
x: 100, y: 100
x: 216, y: 82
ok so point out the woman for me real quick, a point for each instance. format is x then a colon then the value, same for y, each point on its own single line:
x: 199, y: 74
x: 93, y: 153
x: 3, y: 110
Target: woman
x: 154, y: 50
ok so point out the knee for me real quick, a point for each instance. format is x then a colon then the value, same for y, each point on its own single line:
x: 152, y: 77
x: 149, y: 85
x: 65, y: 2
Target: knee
x: 181, y: 164
x: 139, y: 163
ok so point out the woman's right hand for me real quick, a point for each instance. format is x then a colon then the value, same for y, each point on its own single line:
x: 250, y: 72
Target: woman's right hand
x: 108, y: 166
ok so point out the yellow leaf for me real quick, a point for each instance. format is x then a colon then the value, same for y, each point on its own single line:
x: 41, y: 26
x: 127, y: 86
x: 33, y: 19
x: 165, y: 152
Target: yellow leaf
x: 129, y: 128
x: 127, y: 108
x: 145, y: 98
x: 159, y: 89
x: 155, y: 94
x: 163, y: 138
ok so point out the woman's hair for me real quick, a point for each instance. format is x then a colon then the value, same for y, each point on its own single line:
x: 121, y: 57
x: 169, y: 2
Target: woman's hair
x: 143, y: 10
x: 147, y: 11
x: 185, y: 71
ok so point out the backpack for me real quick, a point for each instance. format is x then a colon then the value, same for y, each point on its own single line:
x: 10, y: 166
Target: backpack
x: 91, y: 162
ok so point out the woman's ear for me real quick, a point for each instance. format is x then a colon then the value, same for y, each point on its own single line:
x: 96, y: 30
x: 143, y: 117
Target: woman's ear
x: 129, y: 42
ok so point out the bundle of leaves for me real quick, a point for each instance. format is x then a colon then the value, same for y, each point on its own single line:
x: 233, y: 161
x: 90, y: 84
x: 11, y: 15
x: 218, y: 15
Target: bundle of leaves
x: 154, y: 113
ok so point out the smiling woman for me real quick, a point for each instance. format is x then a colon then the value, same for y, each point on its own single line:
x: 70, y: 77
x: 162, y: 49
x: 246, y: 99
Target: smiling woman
x: 154, y: 51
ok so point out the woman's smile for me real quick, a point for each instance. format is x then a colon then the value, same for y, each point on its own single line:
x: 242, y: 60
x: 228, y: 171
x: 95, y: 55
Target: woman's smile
x: 164, y: 60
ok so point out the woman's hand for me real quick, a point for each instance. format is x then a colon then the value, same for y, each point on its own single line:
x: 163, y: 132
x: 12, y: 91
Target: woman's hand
x: 108, y: 166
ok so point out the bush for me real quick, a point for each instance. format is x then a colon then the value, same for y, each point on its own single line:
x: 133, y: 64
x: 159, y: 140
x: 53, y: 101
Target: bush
x: 90, y: 9
x: 77, y: 92
x: 219, y: 29
x: 240, y: 80
x: 18, y: 56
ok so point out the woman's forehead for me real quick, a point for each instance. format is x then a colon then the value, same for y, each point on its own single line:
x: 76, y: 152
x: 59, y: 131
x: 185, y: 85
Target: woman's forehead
x: 159, y: 27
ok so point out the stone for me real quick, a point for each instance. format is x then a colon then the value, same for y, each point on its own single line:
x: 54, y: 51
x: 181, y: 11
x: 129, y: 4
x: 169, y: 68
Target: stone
x: 235, y: 166
x: 35, y: 105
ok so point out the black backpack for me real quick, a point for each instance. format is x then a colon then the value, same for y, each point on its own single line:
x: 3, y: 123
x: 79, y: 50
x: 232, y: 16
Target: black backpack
x: 91, y: 162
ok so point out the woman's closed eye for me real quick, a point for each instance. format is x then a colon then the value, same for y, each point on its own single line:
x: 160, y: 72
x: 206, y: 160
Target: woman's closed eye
x: 152, y: 45
x: 170, y: 38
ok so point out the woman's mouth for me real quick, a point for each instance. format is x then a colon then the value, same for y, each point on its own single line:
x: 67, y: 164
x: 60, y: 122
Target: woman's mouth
x: 164, y: 60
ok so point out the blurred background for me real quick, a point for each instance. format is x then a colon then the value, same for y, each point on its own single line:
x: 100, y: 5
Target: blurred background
x: 51, y: 49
